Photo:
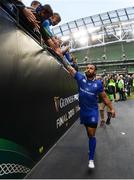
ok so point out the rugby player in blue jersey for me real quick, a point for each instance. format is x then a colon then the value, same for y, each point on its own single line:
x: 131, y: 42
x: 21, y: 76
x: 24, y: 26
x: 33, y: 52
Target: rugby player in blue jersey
x: 89, y: 88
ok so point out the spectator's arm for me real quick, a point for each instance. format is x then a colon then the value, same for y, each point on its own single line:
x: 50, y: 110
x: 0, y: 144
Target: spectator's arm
x: 70, y: 69
x: 27, y: 13
x: 56, y: 41
x: 31, y: 18
x: 65, y: 49
x: 108, y: 102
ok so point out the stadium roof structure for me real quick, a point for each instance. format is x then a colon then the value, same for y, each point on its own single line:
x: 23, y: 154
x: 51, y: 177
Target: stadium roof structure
x: 98, y: 30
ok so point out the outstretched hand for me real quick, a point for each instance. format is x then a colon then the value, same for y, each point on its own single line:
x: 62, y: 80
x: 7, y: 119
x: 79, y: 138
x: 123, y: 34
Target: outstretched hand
x: 31, y: 17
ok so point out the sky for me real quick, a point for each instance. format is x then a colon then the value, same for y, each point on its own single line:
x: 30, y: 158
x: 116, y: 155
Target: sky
x: 70, y: 10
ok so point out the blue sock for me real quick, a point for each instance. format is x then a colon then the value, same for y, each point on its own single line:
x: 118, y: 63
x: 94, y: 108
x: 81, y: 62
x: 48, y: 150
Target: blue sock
x: 92, y: 146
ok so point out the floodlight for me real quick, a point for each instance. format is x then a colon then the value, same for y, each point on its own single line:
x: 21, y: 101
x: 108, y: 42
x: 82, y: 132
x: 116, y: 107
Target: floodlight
x: 93, y: 29
x: 83, y: 40
x: 79, y: 33
x: 83, y: 32
x: 75, y: 34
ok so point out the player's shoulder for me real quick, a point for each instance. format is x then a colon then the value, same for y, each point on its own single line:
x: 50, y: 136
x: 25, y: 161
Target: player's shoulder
x: 98, y: 81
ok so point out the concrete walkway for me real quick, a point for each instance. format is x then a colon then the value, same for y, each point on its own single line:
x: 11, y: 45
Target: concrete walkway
x: 114, y: 153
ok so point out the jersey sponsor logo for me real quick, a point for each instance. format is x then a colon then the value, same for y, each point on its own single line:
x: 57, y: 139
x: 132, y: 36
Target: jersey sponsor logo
x: 87, y: 92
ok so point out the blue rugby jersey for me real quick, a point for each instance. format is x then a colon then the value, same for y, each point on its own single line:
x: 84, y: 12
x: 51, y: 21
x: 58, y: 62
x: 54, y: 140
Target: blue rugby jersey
x: 46, y: 25
x: 88, y: 100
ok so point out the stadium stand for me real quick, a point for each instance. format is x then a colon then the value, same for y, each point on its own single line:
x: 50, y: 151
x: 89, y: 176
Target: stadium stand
x: 105, y: 39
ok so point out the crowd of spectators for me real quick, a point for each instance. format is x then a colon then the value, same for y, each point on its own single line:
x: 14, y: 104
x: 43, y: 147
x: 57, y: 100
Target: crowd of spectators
x: 38, y: 20
x: 119, y: 86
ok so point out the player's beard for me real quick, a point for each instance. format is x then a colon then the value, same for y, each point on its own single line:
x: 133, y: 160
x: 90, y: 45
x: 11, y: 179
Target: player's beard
x: 89, y: 75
